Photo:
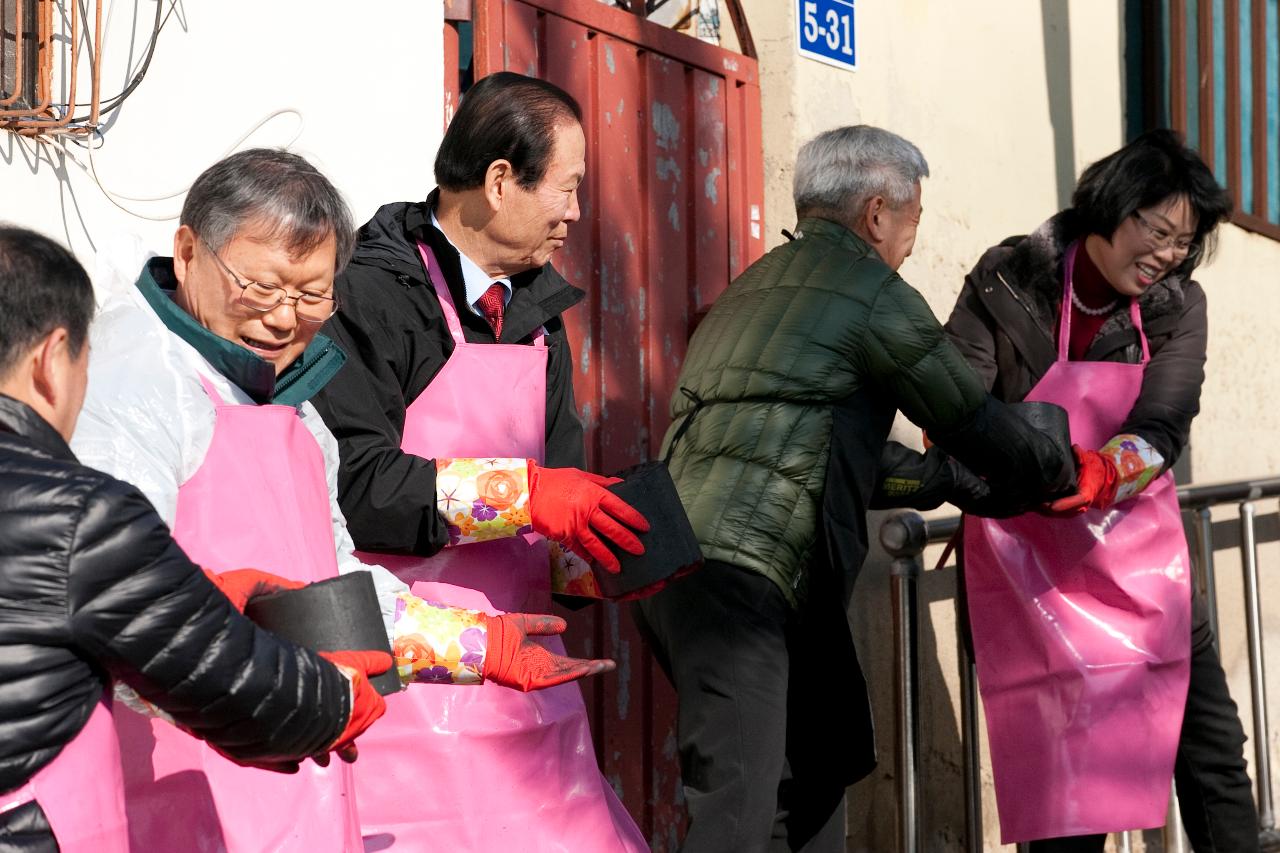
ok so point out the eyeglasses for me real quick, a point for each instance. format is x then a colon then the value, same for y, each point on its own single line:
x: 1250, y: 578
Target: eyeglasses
x: 261, y: 297
x: 1158, y: 238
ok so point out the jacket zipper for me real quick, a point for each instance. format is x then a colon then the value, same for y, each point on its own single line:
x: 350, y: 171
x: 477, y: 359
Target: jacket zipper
x: 301, y: 376
x: 1023, y: 305
x: 1016, y: 297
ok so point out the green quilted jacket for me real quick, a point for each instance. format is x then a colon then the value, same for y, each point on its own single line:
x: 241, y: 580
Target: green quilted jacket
x: 816, y: 324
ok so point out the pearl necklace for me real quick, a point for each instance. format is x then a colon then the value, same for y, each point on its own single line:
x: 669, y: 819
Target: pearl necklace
x: 1092, y: 312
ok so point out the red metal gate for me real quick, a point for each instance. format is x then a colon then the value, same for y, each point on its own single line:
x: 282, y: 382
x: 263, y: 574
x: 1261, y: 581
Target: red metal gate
x: 672, y: 210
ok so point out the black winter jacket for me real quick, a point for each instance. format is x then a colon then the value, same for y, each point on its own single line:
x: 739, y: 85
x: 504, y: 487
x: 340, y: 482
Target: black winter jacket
x: 390, y: 324
x: 1005, y: 324
x: 93, y: 588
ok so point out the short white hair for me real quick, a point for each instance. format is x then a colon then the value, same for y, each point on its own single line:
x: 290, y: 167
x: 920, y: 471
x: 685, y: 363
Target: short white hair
x: 843, y: 169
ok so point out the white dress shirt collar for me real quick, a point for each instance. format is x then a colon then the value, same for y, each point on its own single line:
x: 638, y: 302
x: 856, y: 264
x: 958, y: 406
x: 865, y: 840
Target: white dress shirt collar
x: 474, y: 280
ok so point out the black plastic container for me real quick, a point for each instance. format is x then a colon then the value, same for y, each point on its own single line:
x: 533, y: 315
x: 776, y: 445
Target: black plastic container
x: 334, y: 615
x: 670, y: 547
x: 1052, y: 420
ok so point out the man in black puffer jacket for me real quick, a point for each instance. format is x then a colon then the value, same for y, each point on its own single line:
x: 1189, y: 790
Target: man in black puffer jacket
x: 94, y: 589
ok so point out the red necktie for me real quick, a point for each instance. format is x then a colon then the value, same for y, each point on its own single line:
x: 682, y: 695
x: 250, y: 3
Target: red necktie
x: 491, y: 303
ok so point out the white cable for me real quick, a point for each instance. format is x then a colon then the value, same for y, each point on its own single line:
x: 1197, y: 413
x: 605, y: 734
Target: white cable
x: 118, y: 199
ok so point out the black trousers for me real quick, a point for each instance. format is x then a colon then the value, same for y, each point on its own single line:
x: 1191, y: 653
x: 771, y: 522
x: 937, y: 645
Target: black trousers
x: 1214, y: 792
x: 725, y: 637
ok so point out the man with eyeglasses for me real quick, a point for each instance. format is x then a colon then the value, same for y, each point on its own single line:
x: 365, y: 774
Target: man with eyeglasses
x: 199, y: 394
x: 93, y: 584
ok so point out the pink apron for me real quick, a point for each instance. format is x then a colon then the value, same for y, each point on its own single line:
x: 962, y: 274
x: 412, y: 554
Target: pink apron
x: 260, y: 498
x: 1081, y: 630
x: 484, y: 768
x: 81, y: 791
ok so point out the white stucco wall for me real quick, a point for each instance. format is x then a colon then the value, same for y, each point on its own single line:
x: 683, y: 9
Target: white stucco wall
x: 364, y: 79
x: 1009, y: 101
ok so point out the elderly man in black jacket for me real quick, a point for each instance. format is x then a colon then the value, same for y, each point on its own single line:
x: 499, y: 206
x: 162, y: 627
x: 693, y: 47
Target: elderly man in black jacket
x: 93, y: 586
x: 461, y: 377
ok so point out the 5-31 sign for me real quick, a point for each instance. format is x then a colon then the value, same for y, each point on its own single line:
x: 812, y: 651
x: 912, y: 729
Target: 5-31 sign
x: 827, y: 31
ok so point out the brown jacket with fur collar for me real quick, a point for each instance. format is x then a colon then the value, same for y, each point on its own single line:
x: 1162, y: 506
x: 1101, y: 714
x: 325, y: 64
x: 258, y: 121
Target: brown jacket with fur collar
x: 1005, y: 324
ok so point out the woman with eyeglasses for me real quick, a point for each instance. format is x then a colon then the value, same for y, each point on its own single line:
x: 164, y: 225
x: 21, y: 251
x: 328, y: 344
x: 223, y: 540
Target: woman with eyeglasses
x: 1099, y: 677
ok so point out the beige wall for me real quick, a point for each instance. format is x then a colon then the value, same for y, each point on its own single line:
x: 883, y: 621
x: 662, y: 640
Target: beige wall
x: 1009, y: 100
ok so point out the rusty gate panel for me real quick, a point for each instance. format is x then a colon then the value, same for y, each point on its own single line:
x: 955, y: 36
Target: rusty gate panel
x: 671, y: 211
x: 710, y: 178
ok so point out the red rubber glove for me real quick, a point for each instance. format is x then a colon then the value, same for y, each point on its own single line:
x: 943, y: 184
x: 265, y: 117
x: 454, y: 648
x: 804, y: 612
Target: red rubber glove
x: 514, y: 660
x: 366, y: 707
x: 240, y: 585
x: 1096, y: 481
x: 366, y: 704
x: 574, y: 508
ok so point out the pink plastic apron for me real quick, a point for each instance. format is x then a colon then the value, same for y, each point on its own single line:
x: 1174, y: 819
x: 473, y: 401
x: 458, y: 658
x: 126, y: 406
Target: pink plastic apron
x: 81, y: 791
x: 1081, y: 630
x: 259, y: 499
x: 484, y: 768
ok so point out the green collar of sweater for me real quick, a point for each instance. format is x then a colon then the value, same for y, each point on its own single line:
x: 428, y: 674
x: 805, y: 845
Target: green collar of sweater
x: 296, y: 384
x: 812, y: 226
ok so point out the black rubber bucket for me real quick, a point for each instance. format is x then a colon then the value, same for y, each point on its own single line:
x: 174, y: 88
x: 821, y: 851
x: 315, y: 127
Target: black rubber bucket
x: 1051, y: 419
x: 334, y: 615
x: 670, y: 547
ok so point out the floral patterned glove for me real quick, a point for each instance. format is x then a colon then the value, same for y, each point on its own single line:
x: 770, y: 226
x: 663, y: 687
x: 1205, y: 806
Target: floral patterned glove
x: 435, y: 644
x: 1137, y: 462
x: 483, y: 499
x: 1121, y: 469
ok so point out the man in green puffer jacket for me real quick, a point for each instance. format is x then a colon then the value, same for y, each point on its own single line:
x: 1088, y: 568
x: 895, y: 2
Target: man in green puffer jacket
x: 778, y: 447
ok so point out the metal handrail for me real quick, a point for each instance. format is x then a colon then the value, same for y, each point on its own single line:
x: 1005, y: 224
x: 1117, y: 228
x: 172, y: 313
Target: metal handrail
x: 906, y: 534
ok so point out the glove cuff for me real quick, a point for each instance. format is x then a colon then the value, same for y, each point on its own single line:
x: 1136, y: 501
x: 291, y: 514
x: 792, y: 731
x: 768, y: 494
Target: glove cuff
x: 435, y: 644
x: 570, y: 573
x: 1137, y: 463
x: 503, y: 664
x: 483, y: 499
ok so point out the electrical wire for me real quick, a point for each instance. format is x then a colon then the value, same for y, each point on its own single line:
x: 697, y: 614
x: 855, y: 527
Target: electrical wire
x: 114, y: 102
x: 119, y: 199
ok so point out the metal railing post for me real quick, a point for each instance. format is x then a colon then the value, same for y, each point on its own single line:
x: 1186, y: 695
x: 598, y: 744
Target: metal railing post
x: 970, y: 740
x: 1257, y: 668
x: 1204, y: 562
x: 1175, y: 834
x: 904, y: 536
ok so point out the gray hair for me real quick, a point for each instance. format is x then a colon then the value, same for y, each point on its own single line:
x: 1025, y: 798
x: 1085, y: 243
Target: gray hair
x: 843, y: 169
x: 281, y: 192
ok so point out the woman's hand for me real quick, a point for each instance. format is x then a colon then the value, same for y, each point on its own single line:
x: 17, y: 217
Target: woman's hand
x: 1096, y: 481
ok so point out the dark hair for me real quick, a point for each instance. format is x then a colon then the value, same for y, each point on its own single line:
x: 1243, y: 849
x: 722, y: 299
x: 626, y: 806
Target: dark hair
x: 282, y: 191
x: 42, y: 288
x: 505, y: 116
x: 1150, y: 169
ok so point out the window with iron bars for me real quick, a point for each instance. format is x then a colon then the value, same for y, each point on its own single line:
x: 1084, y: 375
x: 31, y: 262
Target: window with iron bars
x: 1211, y: 69
x: 43, y: 43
